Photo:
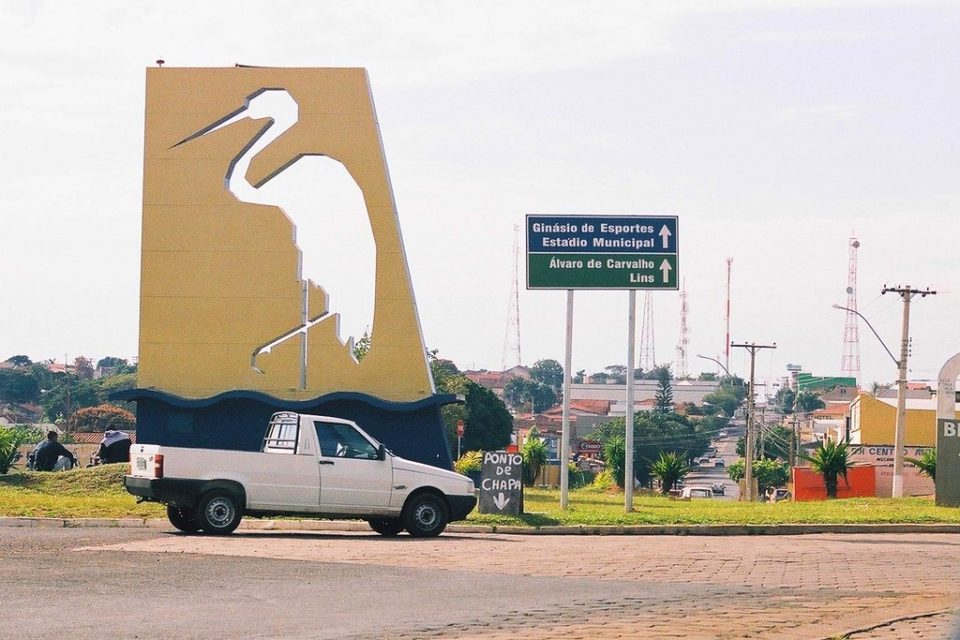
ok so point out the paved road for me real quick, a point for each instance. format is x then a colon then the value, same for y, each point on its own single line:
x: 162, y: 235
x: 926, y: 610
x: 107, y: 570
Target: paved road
x: 262, y: 584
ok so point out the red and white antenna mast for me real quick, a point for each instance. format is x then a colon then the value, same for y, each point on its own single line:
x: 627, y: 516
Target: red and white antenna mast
x: 726, y: 346
x: 681, y: 371
x: 511, y: 335
x: 850, y: 362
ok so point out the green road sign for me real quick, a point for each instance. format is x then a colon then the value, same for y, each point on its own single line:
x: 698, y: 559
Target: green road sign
x: 602, y: 252
x: 601, y: 271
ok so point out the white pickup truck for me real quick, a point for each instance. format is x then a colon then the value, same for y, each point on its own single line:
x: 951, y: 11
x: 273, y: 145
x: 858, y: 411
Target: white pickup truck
x: 313, y: 466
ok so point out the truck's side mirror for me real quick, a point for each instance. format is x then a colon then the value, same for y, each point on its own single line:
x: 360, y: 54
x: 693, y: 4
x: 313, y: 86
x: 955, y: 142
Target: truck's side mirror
x: 382, y: 452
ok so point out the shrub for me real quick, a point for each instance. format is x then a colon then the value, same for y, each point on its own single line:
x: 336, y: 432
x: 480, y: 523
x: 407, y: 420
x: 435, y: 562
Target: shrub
x: 469, y: 461
x: 104, y: 417
x: 10, y: 440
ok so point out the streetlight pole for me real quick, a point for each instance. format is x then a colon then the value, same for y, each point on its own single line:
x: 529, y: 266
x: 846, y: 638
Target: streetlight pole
x: 907, y: 293
x: 748, y: 457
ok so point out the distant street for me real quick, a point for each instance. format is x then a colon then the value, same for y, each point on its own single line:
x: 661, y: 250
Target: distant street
x: 88, y: 584
x: 709, y: 473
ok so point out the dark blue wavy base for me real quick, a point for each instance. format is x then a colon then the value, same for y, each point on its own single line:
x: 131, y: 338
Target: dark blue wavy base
x: 237, y: 420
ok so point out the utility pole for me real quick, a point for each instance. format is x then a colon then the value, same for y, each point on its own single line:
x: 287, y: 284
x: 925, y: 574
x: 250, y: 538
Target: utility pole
x: 748, y: 457
x: 907, y: 293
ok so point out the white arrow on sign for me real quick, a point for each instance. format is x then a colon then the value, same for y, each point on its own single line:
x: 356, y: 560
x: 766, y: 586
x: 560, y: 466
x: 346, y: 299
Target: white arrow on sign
x: 665, y: 268
x: 665, y: 235
x: 500, y: 501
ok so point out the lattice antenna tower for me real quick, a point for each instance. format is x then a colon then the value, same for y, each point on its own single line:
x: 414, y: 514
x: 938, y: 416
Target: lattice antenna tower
x: 648, y: 353
x: 850, y: 362
x: 684, y: 340
x: 511, y: 335
x: 726, y: 346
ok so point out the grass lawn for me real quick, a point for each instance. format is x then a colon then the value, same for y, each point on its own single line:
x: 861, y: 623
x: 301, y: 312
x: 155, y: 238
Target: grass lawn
x: 98, y: 493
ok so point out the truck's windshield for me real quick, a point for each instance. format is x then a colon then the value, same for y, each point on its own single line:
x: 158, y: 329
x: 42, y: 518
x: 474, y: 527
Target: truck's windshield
x: 343, y: 441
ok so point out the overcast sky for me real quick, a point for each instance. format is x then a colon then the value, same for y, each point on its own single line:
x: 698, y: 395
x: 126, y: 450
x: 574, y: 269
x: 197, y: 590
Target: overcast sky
x: 773, y: 130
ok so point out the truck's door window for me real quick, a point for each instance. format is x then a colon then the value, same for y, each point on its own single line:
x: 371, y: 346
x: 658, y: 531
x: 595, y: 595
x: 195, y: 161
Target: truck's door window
x: 342, y: 441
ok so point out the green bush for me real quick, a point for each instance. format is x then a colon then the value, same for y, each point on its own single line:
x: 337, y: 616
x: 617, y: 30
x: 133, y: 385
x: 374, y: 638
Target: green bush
x: 10, y: 440
x: 469, y: 461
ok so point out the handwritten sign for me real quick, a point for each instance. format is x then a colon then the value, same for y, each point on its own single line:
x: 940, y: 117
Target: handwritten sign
x: 501, y: 484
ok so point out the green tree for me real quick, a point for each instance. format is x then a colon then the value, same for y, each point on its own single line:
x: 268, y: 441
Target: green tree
x: 784, y: 400
x: 534, y: 454
x: 724, y: 399
x: 707, y: 376
x: 488, y: 424
x: 362, y: 346
x: 617, y: 372
x: 536, y: 395
x: 10, y: 440
x: 654, y: 433
x: 579, y: 376
x: 831, y: 460
x: 768, y: 473
x: 18, y: 385
x: 19, y: 361
x: 664, y: 395
x: 808, y: 402
x: 515, y: 392
x: 669, y: 468
x: 548, y: 372
x: 927, y: 463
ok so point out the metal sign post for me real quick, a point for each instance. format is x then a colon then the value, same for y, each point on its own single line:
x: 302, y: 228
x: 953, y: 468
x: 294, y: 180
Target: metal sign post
x: 601, y: 252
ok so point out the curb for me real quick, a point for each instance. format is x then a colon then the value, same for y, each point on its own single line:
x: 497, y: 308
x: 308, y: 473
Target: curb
x: 567, y: 530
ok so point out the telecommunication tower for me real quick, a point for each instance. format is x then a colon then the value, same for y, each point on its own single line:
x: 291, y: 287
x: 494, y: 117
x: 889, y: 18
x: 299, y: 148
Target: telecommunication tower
x: 648, y: 353
x: 511, y: 336
x: 726, y: 346
x: 850, y: 362
x: 682, y: 345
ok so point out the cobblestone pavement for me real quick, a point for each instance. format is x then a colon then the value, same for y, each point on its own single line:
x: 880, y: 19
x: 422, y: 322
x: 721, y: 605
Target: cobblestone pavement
x: 791, y: 587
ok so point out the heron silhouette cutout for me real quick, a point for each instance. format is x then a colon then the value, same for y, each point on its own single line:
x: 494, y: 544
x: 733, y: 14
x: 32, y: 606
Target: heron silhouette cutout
x: 280, y: 112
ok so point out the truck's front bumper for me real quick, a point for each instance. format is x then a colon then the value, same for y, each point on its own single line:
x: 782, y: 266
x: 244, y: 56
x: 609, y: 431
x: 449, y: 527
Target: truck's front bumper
x: 461, y: 506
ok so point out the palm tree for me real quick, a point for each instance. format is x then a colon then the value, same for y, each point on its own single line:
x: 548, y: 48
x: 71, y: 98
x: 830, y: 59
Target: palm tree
x: 615, y: 457
x: 669, y: 468
x: 831, y: 460
x: 534, y: 454
x: 927, y: 463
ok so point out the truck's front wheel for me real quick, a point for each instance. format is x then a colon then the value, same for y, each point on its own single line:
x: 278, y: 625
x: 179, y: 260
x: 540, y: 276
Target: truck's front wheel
x: 183, y: 519
x: 219, y: 513
x: 425, y: 516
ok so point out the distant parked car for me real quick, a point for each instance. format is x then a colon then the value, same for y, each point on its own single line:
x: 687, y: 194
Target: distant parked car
x: 704, y: 460
x: 719, y: 462
x: 695, y: 491
x: 718, y: 488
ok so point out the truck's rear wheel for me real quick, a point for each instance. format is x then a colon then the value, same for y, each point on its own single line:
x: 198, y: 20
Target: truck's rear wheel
x: 425, y: 516
x: 219, y: 512
x: 386, y: 527
x: 183, y: 519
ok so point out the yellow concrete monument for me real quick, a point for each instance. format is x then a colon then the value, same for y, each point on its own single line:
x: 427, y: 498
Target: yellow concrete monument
x: 223, y: 303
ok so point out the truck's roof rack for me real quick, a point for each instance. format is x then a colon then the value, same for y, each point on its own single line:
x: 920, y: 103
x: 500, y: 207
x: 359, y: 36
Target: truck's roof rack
x: 282, y: 432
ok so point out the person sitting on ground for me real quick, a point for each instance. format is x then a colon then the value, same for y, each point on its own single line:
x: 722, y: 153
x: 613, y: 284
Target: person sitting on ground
x: 115, y: 447
x: 48, y: 452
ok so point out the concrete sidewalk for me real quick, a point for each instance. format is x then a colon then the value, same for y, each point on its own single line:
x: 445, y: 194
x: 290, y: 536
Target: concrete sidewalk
x: 596, y: 530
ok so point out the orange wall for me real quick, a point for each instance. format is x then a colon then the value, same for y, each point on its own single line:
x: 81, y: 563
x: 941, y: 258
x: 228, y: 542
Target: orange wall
x: 808, y: 485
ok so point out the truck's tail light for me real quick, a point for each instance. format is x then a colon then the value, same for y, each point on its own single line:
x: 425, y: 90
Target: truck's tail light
x: 158, y: 466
